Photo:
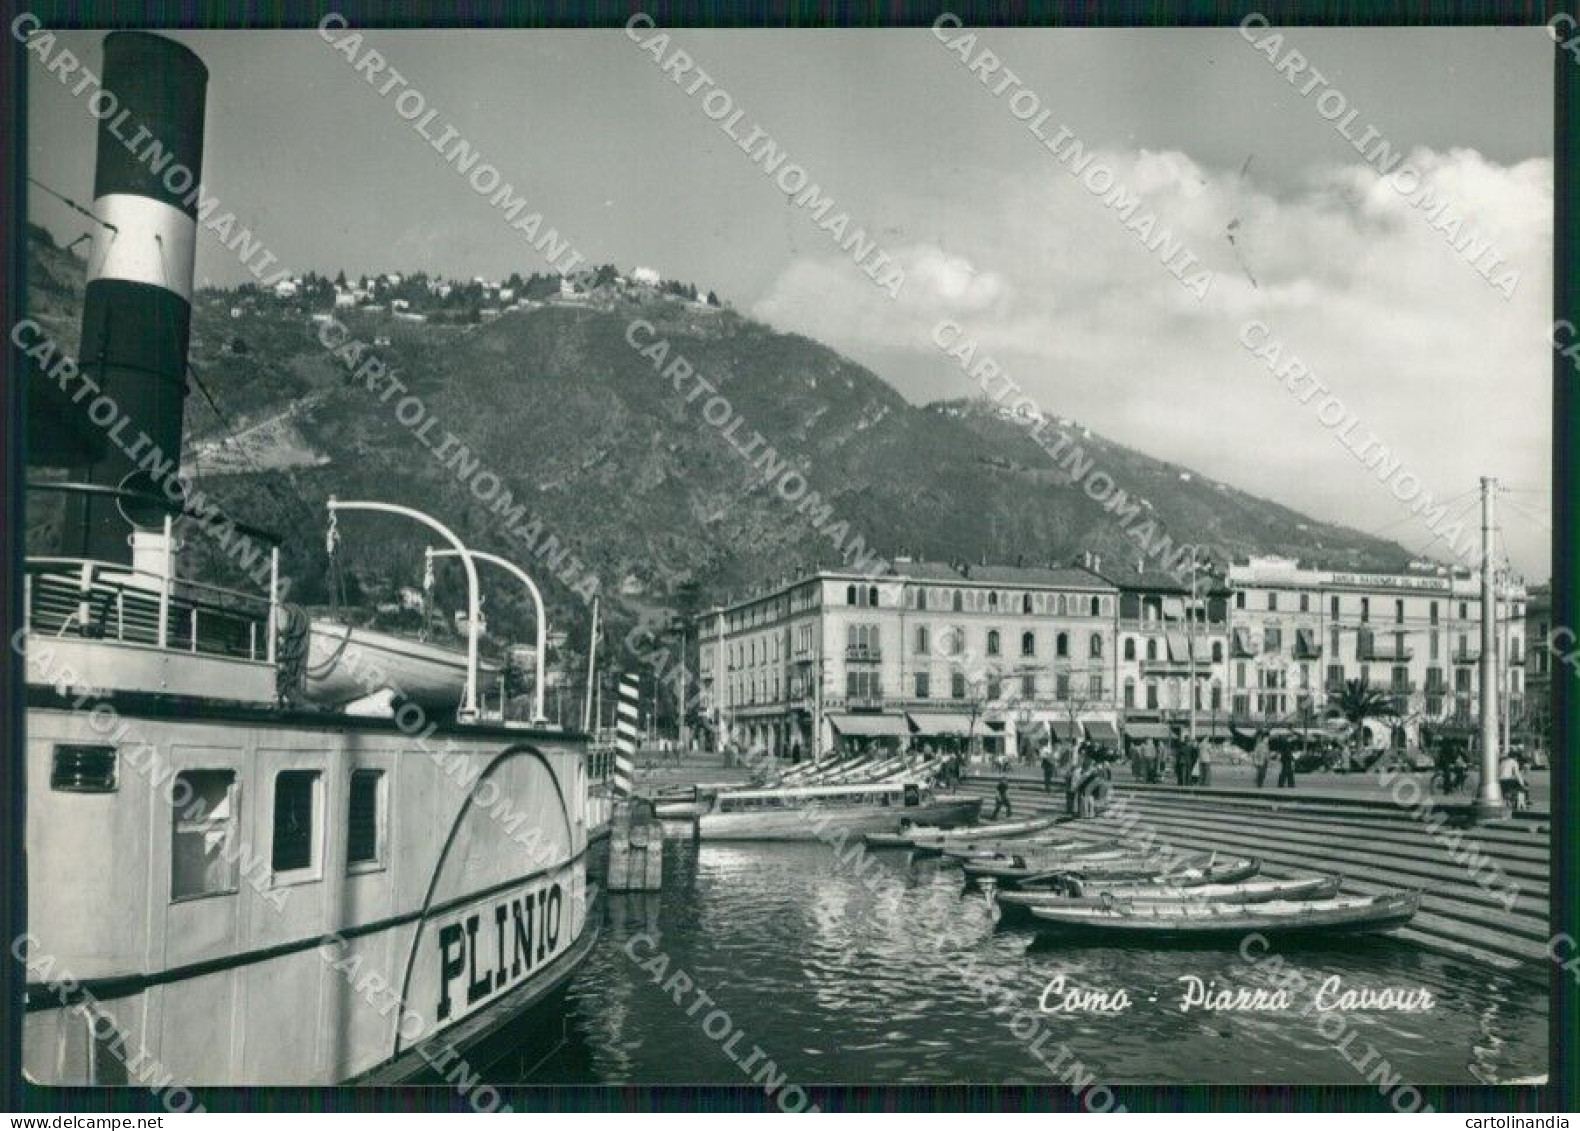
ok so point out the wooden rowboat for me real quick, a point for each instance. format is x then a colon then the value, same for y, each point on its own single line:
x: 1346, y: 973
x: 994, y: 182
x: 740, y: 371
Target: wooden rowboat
x: 1192, y: 919
x: 1249, y: 891
x: 1104, y: 861
x: 1194, y: 874
x: 985, y: 832
x: 1042, y: 843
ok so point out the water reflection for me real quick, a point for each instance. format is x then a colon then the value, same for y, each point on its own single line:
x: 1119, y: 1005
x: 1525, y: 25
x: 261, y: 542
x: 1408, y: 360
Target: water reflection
x: 843, y: 982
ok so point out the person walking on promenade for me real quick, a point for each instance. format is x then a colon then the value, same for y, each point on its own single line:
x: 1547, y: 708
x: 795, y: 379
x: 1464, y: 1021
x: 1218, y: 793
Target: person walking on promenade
x: 1182, y: 760
x: 1286, y: 766
x: 1204, y: 761
x: 1002, y: 801
x: 1047, y: 770
x: 1261, y: 758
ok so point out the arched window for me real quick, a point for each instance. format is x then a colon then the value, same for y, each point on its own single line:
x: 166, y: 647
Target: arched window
x: 1130, y: 647
x: 1061, y: 644
x: 1028, y: 644
x: 1097, y: 606
x: 993, y: 599
x: 1130, y: 693
x: 1061, y: 606
x: 958, y: 605
x: 872, y: 596
x: 1095, y: 646
x: 1025, y: 603
x: 992, y: 642
x: 1152, y: 649
x: 850, y: 594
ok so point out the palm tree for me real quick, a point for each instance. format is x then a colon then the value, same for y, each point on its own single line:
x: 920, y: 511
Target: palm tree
x: 1358, y: 702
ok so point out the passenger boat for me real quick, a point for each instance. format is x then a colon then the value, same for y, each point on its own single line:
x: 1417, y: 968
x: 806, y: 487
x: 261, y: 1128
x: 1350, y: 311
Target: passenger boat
x: 810, y: 812
x: 1098, y: 895
x: 227, y: 885
x: 1218, y: 921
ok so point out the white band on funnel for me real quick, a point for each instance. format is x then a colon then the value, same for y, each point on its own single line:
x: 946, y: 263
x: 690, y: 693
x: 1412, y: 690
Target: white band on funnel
x: 150, y: 242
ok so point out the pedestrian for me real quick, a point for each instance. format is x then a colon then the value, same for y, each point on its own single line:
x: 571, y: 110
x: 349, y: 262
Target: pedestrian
x: 1002, y: 802
x: 1204, y: 761
x: 1286, y: 766
x: 1261, y: 758
x: 1182, y: 760
x: 1047, y: 770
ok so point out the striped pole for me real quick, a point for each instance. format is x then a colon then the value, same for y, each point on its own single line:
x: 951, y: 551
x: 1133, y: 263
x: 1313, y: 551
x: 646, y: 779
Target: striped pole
x: 625, y: 732
x: 137, y: 309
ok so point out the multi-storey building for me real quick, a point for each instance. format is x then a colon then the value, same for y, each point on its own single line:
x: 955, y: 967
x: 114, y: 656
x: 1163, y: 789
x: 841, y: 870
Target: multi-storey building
x: 930, y: 654
x: 1298, y: 635
x: 1540, y: 642
x: 1169, y: 641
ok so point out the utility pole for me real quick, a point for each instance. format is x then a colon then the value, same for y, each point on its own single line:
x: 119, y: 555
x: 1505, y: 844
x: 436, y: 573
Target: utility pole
x: 1505, y: 657
x: 592, y: 668
x: 1489, y: 799
x: 1190, y: 647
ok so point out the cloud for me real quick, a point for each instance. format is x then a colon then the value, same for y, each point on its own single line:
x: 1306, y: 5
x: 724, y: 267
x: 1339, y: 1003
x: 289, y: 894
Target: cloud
x: 1351, y: 274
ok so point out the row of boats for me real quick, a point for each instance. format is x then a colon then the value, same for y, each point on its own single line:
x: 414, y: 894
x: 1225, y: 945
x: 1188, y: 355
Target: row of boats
x: 1079, y: 886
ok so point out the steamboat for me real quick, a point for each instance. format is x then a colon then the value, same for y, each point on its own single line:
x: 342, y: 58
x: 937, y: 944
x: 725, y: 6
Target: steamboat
x: 231, y: 881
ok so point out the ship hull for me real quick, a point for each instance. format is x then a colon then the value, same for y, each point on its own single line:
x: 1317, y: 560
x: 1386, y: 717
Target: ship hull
x: 297, y: 965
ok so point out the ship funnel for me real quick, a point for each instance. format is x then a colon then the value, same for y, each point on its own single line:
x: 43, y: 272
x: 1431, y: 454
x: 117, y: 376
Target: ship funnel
x: 137, y: 313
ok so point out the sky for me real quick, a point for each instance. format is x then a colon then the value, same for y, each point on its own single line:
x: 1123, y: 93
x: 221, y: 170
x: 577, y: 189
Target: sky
x: 992, y: 231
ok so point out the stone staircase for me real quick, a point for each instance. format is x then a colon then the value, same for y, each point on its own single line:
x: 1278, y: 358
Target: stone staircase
x: 1499, y: 920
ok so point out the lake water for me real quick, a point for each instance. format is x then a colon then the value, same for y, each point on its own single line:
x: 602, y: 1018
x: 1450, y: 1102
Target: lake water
x: 836, y: 983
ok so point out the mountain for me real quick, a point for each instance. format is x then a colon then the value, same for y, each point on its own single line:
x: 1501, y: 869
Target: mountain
x: 612, y: 458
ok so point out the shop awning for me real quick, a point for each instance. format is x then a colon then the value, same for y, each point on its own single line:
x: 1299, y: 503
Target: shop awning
x: 1177, y: 647
x: 941, y: 723
x: 1101, y: 730
x: 1242, y: 643
x: 1143, y: 731
x: 1064, y: 729
x: 1203, y: 649
x: 1174, y: 608
x: 870, y: 726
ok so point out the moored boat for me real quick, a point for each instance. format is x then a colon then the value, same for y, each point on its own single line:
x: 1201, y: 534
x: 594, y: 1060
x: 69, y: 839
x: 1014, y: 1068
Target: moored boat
x: 811, y: 812
x: 1097, y: 895
x: 926, y: 837
x: 1191, y: 874
x: 1212, y: 920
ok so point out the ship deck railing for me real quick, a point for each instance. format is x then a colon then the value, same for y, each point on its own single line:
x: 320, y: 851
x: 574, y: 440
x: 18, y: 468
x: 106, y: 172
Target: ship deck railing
x: 79, y: 597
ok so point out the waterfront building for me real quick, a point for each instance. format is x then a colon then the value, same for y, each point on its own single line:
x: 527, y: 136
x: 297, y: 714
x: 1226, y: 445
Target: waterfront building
x: 1170, y: 640
x: 1542, y: 649
x: 1299, y: 633
x: 928, y: 655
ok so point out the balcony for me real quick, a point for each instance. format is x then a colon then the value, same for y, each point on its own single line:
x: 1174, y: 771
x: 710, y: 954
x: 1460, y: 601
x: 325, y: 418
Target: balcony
x: 864, y: 655
x: 1385, y: 651
x: 1173, y: 667
x: 1468, y: 656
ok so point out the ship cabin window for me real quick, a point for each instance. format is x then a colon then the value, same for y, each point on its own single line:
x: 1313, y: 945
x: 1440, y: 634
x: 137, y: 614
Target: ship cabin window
x: 203, y: 858
x: 297, y: 810
x: 365, y: 820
